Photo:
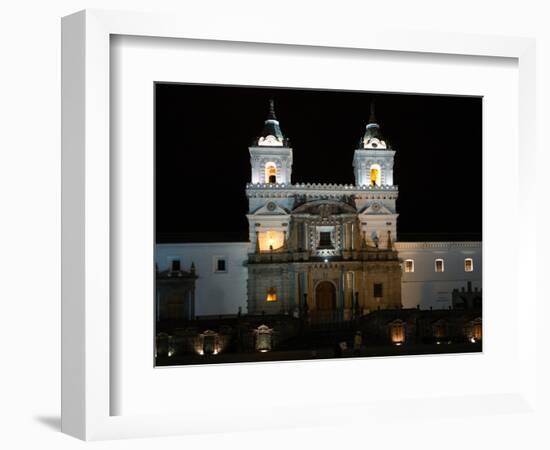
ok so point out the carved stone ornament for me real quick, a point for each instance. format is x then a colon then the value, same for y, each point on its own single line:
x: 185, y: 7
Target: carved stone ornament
x: 271, y: 206
x: 269, y: 140
x: 324, y: 211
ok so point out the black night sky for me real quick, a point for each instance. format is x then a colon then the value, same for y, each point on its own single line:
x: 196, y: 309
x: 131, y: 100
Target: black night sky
x: 202, y: 160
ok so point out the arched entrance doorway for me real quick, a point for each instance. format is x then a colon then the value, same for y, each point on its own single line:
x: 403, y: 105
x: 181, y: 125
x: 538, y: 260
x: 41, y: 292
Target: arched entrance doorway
x: 325, y: 301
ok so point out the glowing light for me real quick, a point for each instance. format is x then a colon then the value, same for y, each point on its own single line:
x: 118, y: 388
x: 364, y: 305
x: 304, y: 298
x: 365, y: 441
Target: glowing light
x: 264, y: 351
x: 271, y: 294
x: 397, y: 332
x: 270, y: 173
x: 170, y: 353
x: 398, y: 343
x: 271, y: 240
x: 473, y: 340
x: 375, y: 175
x: 476, y: 331
x: 326, y: 260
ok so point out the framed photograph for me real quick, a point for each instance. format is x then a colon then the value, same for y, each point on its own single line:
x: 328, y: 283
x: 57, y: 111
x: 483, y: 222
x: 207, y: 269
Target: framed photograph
x: 313, y: 220
x: 274, y: 269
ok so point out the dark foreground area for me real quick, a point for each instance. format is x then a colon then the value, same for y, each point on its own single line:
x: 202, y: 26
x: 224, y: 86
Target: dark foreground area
x: 253, y: 338
x: 326, y: 353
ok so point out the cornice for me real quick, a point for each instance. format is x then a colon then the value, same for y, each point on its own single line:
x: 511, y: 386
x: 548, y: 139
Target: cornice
x: 399, y: 245
x: 287, y: 190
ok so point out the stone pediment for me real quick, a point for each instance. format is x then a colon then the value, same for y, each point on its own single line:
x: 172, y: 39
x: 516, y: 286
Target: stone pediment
x: 271, y: 209
x: 324, y: 208
x: 376, y: 208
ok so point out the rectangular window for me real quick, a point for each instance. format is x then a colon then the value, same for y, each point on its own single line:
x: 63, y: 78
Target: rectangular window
x: 220, y: 264
x: 176, y: 265
x: 468, y: 265
x: 324, y: 239
x: 409, y: 265
x: 378, y: 290
x: 439, y: 265
x: 271, y: 295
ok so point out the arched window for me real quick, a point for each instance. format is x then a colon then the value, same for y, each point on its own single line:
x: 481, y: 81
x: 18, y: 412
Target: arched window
x: 468, y: 265
x: 271, y: 294
x: 270, y: 173
x: 375, y: 175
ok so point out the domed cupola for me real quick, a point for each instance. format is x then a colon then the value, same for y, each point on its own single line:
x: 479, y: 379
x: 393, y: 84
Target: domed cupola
x: 271, y: 135
x: 373, y: 136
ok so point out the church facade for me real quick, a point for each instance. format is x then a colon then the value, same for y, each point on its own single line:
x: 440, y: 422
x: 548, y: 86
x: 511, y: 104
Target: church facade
x: 323, y: 250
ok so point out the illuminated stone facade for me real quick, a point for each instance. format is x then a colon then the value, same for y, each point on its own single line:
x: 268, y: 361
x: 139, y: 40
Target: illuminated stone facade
x: 322, y: 250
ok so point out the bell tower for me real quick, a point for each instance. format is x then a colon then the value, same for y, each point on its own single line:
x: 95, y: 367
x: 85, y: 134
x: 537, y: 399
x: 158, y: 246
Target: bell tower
x: 270, y: 154
x: 269, y: 211
x: 373, y: 169
x: 373, y: 160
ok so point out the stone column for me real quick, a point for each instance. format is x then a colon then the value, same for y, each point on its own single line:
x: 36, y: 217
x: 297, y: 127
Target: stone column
x: 342, y: 237
x: 297, y: 236
x: 257, y: 234
x: 310, y: 298
x: 341, y: 294
x: 363, y: 294
x: 285, y: 279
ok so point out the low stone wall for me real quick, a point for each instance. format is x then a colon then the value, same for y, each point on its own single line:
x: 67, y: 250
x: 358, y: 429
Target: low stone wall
x: 239, y: 334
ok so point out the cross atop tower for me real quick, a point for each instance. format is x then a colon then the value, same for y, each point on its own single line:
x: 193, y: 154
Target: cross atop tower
x: 372, y: 117
x: 373, y: 137
x: 271, y: 115
x: 271, y: 134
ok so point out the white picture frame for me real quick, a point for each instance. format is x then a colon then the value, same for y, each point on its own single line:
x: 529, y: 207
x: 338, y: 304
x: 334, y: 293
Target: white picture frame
x: 88, y: 322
